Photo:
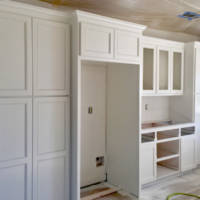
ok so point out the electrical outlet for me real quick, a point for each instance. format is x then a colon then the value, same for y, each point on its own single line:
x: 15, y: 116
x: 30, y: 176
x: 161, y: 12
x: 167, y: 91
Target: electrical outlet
x: 100, y: 161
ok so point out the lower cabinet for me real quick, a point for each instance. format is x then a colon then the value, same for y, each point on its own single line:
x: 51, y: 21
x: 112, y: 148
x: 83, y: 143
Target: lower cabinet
x: 198, y: 149
x: 147, y: 162
x: 188, y: 160
x: 51, y: 148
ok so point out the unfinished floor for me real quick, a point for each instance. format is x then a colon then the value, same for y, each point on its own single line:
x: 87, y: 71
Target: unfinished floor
x: 189, y: 183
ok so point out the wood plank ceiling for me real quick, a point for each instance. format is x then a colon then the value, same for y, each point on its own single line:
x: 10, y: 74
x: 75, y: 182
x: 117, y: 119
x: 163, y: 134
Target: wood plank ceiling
x: 156, y: 14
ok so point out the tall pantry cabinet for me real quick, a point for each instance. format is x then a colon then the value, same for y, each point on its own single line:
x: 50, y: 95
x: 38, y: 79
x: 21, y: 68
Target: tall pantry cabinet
x: 34, y: 103
x: 192, y: 62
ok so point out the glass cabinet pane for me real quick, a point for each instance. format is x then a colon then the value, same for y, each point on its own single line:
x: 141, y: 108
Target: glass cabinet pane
x: 163, y: 70
x: 148, y: 68
x: 177, y: 70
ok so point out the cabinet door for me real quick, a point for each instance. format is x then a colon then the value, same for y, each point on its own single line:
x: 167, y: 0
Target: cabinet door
x: 16, y: 149
x: 51, y: 148
x: 197, y: 64
x: 177, y: 71
x: 126, y: 46
x: 163, y: 70
x: 96, y: 41
x: 15, y: 55
x: 147, y: 162
x: 149, y: 69
x: 188, y: 153
x: 198, y: 149
x: 51, y: 58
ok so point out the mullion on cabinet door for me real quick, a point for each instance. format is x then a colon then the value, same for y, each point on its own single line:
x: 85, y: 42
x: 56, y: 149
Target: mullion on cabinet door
x: 51, y: 58
x: 177, y: 71
x: 51, y: 136
x: 149, y: 69
x: 163, y: 70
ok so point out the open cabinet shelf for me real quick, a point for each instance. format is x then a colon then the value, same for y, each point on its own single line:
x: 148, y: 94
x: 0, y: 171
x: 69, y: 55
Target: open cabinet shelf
x: 168, y: 167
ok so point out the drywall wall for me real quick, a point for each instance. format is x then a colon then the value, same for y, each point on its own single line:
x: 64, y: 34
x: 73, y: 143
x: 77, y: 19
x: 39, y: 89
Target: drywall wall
x: 157, y: 109
x: 176, y: 36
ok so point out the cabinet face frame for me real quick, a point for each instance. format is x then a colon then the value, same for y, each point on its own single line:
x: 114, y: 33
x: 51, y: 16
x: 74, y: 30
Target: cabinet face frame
x: 153, y: 47
x: 181, y: 51
x: 167, y: 49
x: 27, y: 55
x: 85, y: 52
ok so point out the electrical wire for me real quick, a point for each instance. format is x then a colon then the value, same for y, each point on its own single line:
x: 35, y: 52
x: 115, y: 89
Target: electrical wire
x: 182, y: 194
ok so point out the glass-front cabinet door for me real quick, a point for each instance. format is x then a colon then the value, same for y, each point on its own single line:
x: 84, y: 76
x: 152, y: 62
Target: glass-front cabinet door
x: 177, y: 71
x: 149, y: 69
x: 163, y: 70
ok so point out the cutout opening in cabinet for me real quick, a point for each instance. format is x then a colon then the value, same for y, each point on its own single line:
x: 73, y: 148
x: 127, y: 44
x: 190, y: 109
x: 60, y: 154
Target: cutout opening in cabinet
x: 148, y: 68
x: 148, y: 137
x: 163, y: 69
x: 168, y: 167
x: 177, y: 70
x: 166, y: 149
x: 162, y: 135
x: 188, y: 131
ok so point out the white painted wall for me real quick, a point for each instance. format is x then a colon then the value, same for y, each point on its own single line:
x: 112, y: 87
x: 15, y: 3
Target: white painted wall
x: 158, y: 109
x: 93, y: 133
x: 123, y: 126
x: 176, y: 36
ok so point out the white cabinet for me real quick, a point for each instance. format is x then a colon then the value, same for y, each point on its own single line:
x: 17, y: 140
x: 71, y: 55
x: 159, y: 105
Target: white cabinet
x: 177, y: 71
x: 197, y: 69
x: 15, y: 55
x: 51, y: 135
x: 126, y: 45
x: 96, y: 41
x: 147, y: 162
x: 163, y: 67
x: 51, y: 52
x: 163, y: 70
x: 16, y: 149
x: 188, y: 145
x: 149, y: 69
x: 110, y: 42
x: 198, y: 149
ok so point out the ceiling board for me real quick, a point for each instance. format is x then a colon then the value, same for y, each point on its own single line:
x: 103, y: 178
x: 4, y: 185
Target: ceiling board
x: 156, y: 14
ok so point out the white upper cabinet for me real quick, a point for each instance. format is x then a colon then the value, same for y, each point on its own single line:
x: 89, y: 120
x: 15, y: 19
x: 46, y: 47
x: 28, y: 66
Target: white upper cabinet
x: 103, y: 38
x: 163, y: 70
x: 149, y: 69
x: 177, y: 70
x: 15, y: 55
x: 51, y: 58
x: 126, y: 45
x: 197, y: 62
x: 163, y: 67
x: 96, y: 41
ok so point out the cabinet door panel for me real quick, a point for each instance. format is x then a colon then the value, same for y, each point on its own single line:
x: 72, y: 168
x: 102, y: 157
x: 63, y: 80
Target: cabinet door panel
x: 177, y: 71
x: 147, y: 163
x: 163, y: 70
x: 51, y: 58
x: 51, y: 148
x: 15, y: 149
x: 96, y: 41
x: 126, y: 46
x: 15, y: 55
x: 188, y: 146
x: 149, y: 69
x: 197, y: 51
